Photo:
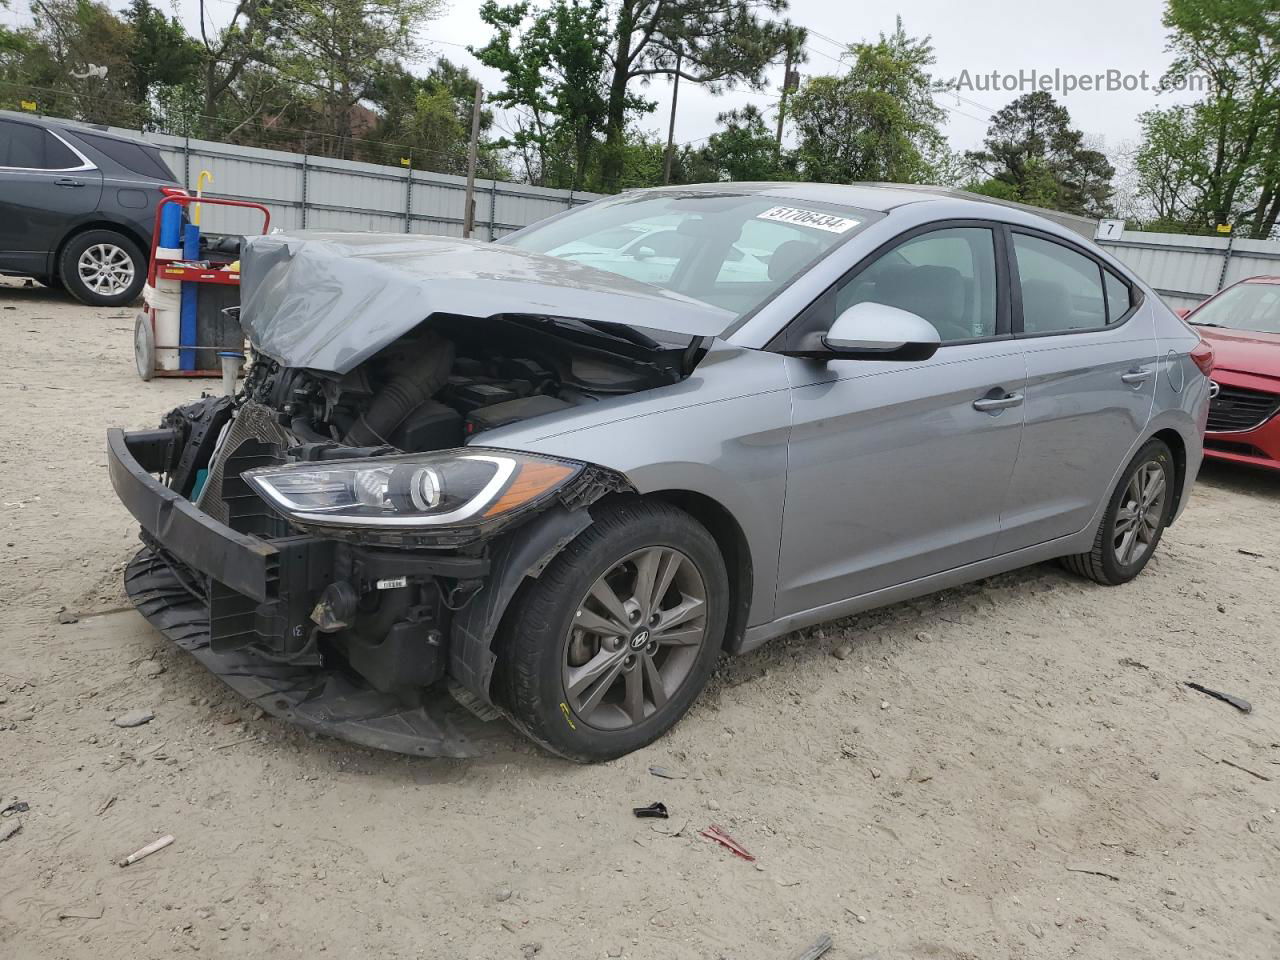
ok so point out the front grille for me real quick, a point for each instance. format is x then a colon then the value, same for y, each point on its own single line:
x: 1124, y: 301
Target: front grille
x: 1236, y: 409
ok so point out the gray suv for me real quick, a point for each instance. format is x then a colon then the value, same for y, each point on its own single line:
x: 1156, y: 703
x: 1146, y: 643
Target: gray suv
x: 77, y: 207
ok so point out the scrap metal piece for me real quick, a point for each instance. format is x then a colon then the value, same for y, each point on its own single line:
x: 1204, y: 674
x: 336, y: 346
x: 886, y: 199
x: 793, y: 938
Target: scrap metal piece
x: 1244, y: 706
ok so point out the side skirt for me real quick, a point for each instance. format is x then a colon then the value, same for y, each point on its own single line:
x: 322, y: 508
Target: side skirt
x: 1063, y: 546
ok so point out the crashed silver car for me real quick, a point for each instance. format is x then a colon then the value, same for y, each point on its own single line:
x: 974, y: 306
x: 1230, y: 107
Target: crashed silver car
x: 556, y: 477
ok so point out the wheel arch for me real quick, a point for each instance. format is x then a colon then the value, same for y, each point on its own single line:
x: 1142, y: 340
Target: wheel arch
x: 734, y: 548
x: 1178, y: 447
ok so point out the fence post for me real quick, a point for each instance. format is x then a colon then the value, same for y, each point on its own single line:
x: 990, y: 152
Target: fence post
x: 186, y: 161
x: 304, y: 191
x: 1226, y: 259
x: 408, y: 196
x: 493, y: 206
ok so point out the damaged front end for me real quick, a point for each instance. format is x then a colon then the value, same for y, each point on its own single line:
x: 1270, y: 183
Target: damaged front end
x: 340, y: 541
x: 343, y: 593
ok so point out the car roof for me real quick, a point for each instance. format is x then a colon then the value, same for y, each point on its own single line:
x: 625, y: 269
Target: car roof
x: 1266, y: 278
x: 71, y: 126
x: 884, y: 197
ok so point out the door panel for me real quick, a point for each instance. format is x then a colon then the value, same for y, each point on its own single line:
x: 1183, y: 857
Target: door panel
x: 893, y: 474
x: 1087, y: 403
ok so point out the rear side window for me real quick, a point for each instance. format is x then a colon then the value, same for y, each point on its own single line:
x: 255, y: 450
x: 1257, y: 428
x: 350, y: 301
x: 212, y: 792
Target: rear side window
x: 947, y: 276
x: 1061, y: 289
x: 142, y: 159
x: 1119, y: 297
x: 33, y: 148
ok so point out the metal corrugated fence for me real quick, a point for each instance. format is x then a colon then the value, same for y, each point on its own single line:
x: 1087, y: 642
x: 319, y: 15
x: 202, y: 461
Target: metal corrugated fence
x: 321, y: 193
x: 1186, y: 270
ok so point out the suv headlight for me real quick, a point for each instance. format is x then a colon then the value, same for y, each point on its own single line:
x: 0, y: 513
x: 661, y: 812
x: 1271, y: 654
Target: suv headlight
x: 453, y: 488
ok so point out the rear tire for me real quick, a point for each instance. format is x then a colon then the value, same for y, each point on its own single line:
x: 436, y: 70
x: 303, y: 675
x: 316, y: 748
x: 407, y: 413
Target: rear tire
x: 558, y: 632
x: 1136, y: 517
x: 102, y: 268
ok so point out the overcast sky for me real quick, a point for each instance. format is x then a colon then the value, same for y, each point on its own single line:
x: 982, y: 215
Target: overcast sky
x: 1085, y: 37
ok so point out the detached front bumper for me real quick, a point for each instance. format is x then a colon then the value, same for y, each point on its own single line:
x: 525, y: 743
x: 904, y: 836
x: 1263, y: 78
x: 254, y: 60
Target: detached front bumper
x: 205, y: 586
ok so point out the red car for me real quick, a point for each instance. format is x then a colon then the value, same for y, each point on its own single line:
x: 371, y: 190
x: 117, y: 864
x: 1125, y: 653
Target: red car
x: 1242, y: 324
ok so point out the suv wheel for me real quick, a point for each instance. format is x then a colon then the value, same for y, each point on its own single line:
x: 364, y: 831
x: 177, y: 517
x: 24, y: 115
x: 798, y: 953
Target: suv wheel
x: 610, y: 646
x: 1135, y: 519
x: 103, y: 268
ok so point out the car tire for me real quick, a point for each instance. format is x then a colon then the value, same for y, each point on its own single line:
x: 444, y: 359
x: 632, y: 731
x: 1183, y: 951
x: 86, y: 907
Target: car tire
x: 1129, y: 533
x: 544, y: 650
x: 121, y: 269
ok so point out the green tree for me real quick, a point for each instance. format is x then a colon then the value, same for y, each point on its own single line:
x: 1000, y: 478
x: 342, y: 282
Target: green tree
x: 744, y: 150
x: 336, y: 48
x: 1218, y: 159
x: 878, y: 121
x: 718, y: 43
x: 553, y: 62
x: 1036, y: 156
x: 161, y: 54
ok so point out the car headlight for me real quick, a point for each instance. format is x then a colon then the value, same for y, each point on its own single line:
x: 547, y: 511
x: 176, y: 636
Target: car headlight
x: 451, y: 488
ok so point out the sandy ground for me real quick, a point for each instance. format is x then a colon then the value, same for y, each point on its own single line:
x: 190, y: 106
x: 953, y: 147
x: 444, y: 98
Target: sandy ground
x: 943, y: 789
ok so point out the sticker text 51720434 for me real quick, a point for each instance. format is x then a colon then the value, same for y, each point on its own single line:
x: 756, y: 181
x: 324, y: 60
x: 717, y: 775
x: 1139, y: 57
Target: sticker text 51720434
x: 809, y: 218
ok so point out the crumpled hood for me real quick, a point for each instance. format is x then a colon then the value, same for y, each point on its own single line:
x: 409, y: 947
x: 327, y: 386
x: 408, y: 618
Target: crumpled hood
x: 329, y: 301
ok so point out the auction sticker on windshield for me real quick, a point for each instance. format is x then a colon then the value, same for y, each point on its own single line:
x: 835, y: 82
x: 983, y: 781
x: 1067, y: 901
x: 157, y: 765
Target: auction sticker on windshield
x: 809, y: 218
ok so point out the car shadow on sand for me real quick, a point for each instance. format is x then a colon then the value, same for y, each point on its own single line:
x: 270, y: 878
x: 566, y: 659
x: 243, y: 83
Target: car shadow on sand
x: 1241, y: 478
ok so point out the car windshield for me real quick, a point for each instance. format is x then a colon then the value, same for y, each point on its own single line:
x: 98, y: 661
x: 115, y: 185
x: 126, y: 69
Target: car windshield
x: 731, y: 250
x: 1247, y: 306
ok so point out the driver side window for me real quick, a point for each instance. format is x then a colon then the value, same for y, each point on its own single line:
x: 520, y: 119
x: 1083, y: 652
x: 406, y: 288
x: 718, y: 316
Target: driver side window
x: 946, y: 276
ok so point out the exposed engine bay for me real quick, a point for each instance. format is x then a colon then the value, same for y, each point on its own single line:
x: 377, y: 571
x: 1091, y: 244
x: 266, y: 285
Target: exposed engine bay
x: 441, y: 385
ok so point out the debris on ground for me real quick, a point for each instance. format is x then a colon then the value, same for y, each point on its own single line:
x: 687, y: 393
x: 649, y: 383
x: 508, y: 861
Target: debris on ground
x: 1094, y: 873
x: 9, y: 829
x: 1242, y: 705
x: 82, y: 912
x: 503, y: 895
x: 105, y: 805
x: 17, y: 806
x: 719, y: 836
x: 134, y: 718
x: 657, y: 810
x: 149, y: 669
x: 66, y: 616
x: 842, y: 652
x: 148, y: 850
x: 815, y: 949
x: 1130, y: 662
x: 1252, y: 773
x: 666, y: 774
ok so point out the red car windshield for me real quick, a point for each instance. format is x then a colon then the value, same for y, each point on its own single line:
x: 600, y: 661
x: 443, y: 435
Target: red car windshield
x: 1246, y: 306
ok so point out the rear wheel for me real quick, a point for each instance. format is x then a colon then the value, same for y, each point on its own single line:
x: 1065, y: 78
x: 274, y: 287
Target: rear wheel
x: 102, y: 268
x: 610, y: 646
x: 1135, y: 520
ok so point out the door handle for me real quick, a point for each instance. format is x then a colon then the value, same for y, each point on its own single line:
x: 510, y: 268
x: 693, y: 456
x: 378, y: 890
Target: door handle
x: 1136, y: 376
x: 69, y: 182
x: 988, y: 404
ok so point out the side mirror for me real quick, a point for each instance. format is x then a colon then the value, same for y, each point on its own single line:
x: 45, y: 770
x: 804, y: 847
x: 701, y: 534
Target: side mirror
x: 877, y: 331
x: 644, y: 253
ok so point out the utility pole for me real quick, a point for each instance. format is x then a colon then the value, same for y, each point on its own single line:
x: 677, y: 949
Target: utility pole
x: 787, y: 77
x: 469, y: 213
x: 671, y: 129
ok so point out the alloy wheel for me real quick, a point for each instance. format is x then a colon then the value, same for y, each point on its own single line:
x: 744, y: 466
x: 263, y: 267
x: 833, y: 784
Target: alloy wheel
x: 635, y: 638
x: 105, y: 269
x: 1141, y: 509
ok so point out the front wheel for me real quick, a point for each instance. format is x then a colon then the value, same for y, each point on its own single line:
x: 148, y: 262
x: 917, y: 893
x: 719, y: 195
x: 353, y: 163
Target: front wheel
x: 608, y: 648
x: 1136, y: 517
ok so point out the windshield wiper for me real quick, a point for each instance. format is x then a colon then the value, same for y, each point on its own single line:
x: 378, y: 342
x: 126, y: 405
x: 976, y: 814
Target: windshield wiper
x: 1202, y: 323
